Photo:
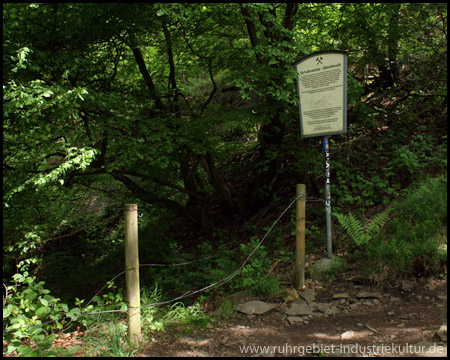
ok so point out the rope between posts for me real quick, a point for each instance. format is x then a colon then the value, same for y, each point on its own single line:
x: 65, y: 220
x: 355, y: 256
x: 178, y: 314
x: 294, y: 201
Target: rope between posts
x: 187, y: 293
x: 233, y: 274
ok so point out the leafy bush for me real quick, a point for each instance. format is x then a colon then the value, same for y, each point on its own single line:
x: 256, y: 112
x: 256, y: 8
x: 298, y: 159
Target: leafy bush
x: 265, y: 286
x: 411, y: 242
x: 253, y: 275
x: 30, y: 314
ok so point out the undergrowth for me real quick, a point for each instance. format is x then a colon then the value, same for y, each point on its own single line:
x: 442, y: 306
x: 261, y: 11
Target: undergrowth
x: 407, y: 238
x: 412, y: 242
x: 404, y: 240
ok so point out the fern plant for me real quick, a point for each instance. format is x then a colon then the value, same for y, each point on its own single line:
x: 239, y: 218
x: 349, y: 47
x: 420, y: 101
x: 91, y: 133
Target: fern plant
x: 360, y: 233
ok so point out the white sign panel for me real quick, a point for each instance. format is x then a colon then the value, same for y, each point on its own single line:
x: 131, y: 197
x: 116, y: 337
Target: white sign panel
x: 322, y: 87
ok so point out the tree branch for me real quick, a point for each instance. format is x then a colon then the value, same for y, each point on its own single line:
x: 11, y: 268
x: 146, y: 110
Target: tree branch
x: 251, y: 29
x: 86, y: 124
x: 214, y: 90
x: 146, y: 75
x: 161, y: 182
x: 152, y: 198
x: 172, y: 79
x: 290, y: 12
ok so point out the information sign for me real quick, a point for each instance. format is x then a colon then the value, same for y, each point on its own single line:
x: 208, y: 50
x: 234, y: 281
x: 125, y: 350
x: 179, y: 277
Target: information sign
x: 322, y: 87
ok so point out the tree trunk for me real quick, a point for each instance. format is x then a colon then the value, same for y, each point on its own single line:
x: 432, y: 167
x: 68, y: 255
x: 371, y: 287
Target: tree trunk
x: 270, y: 139
x: 272, y: 131
x: 223, y: 188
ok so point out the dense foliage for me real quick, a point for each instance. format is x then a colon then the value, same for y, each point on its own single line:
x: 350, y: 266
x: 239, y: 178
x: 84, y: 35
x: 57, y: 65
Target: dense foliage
x: 191, y: 111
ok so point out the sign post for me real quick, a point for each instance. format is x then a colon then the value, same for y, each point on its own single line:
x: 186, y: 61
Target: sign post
x: 322, y: 88
x: 326, y: 148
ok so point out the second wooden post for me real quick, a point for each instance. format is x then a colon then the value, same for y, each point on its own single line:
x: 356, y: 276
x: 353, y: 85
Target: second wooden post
x: 132, y: 273
x: 299, y: 274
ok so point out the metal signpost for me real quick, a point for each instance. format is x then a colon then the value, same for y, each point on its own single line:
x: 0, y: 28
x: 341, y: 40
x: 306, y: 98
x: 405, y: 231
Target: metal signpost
x: 322, y: 87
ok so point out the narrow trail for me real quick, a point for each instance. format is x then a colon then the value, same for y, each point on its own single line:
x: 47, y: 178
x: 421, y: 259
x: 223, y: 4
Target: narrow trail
x: 400, y: 321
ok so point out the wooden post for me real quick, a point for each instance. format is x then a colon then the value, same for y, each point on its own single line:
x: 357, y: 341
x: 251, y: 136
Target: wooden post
x: 132, y: 273
x: 299, y: 275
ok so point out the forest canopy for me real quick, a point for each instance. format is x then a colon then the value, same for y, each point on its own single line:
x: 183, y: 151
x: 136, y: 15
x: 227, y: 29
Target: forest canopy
x: 191, y: 111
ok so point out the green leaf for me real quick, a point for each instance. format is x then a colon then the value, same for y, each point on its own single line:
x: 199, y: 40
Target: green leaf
x: 30, y: 294
x: 74, y: 312
x: 44, y: 310
x: 47, y: 93
x: 7, y: 311
x: 18, y: 277
x: 36, y: 330
x: 44, y: 302
x: 26, y: 351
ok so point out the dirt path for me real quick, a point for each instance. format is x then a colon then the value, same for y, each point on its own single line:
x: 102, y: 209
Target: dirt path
x: 388, y: 325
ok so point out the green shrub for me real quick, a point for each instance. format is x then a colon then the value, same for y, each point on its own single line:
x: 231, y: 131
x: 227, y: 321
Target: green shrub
x: 265, y: 286
x: 252, y: 276
x: 411, y: 241
x: 30, y: 315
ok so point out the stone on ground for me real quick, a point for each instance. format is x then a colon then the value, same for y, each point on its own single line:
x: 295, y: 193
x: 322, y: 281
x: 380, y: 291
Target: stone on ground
x: 442, y: 333
x: 294, y: 320
x: 407, y: 285
x: 340, y: 296
x: 297, y: 310
x: 238, y: 297
x: 255, y: 307
x: 368, y: 295
x: 321, y: 268
x: 308, y: 295
x: 348, y: 335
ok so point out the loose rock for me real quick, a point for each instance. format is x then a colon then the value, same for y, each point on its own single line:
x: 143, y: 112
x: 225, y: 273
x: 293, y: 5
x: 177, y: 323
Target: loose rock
x: 297, y: 309
x: 348, y: 335
x: 322, y: 307
x: 331, y: 311
x: 407, y: 285
x: 255, y: 307
x: 294, y: 320
x: 308, y: 295
x: 320, y: 268
x: 340, y: 296
x: 368, y: 295
x: 442, y: 333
